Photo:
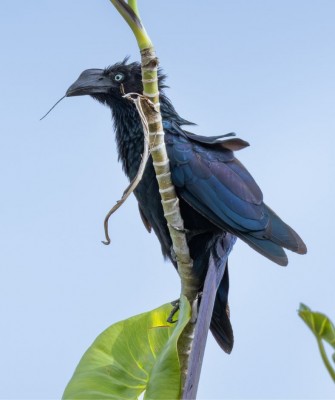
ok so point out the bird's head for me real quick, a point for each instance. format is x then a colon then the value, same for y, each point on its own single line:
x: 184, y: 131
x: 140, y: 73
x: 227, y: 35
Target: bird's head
x: 110, y: 84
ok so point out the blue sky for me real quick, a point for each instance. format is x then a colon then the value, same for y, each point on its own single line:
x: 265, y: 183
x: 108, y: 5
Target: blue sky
x: 261, y: 68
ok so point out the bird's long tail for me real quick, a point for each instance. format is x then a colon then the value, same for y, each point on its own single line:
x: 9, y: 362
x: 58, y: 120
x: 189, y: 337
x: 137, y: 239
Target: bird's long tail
x: 217, y: 248
x: 220, y: 324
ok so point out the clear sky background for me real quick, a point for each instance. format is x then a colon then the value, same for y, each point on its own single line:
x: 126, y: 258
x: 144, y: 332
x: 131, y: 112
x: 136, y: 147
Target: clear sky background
x: 262, y: 68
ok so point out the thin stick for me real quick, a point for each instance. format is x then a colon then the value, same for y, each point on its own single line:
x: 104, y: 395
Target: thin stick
x: 52, y: 107
x: 146, y: 153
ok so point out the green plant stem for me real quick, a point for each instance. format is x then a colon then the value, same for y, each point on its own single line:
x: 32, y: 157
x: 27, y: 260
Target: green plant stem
x: 325, y: 359
x: 170, y: 201
x: 133, y: 5
x: 135, y: 24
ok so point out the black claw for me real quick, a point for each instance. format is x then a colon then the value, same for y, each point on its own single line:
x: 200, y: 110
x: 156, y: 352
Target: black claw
x: 175, y: 308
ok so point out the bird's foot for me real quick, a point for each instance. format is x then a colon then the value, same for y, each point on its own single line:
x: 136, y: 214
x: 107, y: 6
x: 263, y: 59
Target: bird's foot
x: 175, y: 308
x: 195, y: 308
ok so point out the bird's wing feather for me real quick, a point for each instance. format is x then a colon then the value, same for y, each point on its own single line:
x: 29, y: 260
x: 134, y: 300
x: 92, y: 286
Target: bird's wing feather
x: 227, y: 141
x: 213, y: 182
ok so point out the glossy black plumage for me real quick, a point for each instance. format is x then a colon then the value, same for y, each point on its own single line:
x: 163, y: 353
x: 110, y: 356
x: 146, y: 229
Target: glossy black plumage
x: 217, y: 194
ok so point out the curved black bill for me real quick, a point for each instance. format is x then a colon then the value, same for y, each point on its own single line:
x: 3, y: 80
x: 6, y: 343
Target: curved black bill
x: 91, y: 81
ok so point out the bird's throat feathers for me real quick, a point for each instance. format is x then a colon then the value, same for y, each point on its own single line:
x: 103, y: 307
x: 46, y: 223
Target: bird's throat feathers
x: 129, y: 131
x: 129, y: 136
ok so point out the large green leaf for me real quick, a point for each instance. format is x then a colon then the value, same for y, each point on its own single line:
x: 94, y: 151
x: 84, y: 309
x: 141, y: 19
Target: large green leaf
x: 323, y: 330
x: 131, y: 356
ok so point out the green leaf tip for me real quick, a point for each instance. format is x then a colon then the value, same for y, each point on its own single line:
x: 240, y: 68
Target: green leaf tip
x: 319, y: 324
x: 132, y: 356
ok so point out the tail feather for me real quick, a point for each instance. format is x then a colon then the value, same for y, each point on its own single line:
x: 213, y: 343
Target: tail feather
x: 220, y: 324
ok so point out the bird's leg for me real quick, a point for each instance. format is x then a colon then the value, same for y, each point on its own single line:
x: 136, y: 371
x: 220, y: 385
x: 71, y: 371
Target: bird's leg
x: 195, y: 308
x: 175, y: 308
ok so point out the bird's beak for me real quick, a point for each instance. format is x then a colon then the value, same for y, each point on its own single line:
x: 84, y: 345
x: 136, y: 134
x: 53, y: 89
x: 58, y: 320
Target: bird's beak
x: 91, y: 81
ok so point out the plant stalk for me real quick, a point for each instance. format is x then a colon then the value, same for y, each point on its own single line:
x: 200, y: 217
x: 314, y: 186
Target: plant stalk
x: 170, y: 201
x: 325, y: 359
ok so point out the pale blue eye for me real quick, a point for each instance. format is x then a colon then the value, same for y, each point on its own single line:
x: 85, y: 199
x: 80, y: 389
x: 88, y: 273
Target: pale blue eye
x: 119, y: 77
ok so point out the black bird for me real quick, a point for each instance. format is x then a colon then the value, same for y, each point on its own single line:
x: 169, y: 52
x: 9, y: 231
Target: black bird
x: 217, y: 194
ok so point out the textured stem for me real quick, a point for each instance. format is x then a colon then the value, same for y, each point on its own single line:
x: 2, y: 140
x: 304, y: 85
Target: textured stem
x: 167, y: 191
x: 170, y: 201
